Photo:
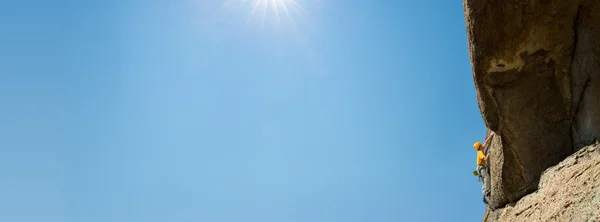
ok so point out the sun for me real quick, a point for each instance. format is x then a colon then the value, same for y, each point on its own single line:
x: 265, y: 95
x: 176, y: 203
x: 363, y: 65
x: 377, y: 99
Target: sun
x: 276, y: 12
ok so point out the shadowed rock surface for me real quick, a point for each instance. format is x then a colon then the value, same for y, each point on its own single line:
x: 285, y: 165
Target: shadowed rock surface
x: 569, y: 191
x: 585, y: 71
x: 536, y: 68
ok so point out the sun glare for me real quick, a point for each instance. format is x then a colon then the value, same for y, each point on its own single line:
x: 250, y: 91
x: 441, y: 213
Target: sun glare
x: 277, y: 12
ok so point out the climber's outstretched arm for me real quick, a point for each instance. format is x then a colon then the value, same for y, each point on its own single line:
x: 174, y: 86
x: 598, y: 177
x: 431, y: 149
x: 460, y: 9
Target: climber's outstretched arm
x: 488, y: 139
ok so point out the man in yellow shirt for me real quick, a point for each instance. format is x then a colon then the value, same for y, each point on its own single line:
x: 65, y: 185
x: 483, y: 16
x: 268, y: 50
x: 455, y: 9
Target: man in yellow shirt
x: 482, y: 170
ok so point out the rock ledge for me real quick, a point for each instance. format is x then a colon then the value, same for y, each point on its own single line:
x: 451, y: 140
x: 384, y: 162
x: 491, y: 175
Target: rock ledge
x: 569, y: 191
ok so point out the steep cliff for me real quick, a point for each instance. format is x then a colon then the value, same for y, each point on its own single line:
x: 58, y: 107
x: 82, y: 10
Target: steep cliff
x: 536, y: 68
x: 569, y: 191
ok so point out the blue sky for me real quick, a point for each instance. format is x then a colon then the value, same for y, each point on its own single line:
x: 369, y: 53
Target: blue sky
x: 185, y: 110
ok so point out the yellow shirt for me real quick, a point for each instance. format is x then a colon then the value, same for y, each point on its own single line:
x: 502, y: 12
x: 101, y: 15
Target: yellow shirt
x: 480, y: 158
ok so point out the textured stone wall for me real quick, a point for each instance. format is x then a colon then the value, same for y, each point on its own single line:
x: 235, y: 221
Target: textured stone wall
x: 536, y: 70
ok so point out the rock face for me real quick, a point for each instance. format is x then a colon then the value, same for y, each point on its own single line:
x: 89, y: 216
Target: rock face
x: 569, y: 191
x: 585, y: 75
x: 536, y: 67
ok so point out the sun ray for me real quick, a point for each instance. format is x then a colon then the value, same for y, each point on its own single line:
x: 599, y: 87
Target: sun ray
x: 293, y: 19
x: 297, y: 6
x: 278, y: 13
x: 254, y: 8
x: 265, y: 4
x: 287, y: 14
x: 276, y: 10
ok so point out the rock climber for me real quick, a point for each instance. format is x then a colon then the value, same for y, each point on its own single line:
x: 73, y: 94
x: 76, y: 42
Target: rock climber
x: 482, y: 169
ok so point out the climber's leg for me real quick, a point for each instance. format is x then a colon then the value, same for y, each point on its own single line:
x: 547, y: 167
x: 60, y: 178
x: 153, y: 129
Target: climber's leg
x: 485, y: 186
